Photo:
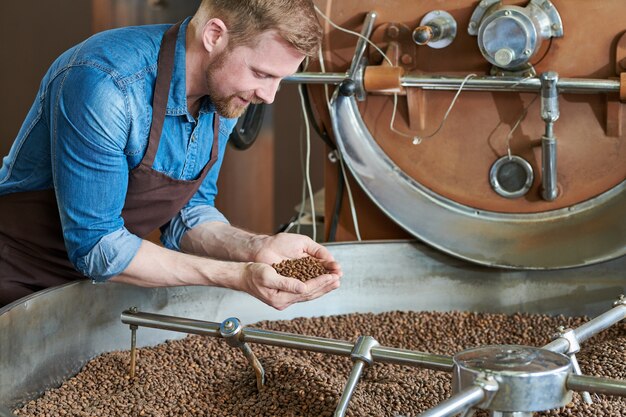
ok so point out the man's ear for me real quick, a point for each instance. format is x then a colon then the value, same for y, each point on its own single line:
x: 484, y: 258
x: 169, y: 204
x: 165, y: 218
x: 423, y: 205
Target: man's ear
x: 214, y: 35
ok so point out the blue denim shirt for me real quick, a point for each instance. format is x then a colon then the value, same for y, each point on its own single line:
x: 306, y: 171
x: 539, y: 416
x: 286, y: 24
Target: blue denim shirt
x: 89, y: 126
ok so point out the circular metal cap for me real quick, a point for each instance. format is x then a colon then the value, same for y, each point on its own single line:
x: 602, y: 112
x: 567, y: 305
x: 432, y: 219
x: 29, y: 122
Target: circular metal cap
x: 529, y: 379
x: 504, y: 57
x: 512, y: 359
x: 508, y: 37
x: 511, y: 177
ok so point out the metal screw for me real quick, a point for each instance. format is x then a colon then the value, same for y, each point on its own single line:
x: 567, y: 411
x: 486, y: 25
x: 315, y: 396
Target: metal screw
x: 133, y: 310
x: 507, y: 13
x: 393, y: 31
x: 621, y: 301
x: 472, y: 25
x: 556, y: 26
x: 229, y: 325
x: 526, y: 51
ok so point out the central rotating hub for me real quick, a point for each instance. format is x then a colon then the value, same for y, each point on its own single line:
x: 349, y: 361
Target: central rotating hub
x: 529, y: 379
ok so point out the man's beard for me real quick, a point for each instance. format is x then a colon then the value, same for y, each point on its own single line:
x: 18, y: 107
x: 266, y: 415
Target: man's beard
x: 229, y: 106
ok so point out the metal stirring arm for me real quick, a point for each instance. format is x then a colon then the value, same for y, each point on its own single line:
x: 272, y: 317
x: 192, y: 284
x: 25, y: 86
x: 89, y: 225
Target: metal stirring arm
x: 362, y: 356
x: 607, y: 386
x: 592, y: 327
x: 231, y: 331
x: 480, y: 391
x: 480, y: 394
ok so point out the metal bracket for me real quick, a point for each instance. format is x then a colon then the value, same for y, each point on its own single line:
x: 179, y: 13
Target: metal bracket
x: 574, y: 347
x: 232, y: 331
x: 359, y: 61
x: 362, y: 356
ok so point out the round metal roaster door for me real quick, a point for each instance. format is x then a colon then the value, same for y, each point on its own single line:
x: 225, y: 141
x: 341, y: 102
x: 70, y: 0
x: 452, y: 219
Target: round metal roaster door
x: 442, y: 171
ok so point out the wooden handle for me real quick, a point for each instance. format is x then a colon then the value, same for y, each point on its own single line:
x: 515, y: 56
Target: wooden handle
x: 383, y: 79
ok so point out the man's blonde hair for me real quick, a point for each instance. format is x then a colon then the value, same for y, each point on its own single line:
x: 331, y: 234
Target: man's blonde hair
x: 294, y: 20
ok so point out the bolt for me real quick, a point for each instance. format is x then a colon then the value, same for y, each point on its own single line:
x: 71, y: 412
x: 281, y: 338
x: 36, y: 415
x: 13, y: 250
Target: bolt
x: 507, y: 13
x: 526, y: 52
x: 472, y: 25
x: 133, y: 310
x: 621, y: 301
x: 229, y: 325
x: 406, y: 59
x: 556, y: 26
x: 393, y: 31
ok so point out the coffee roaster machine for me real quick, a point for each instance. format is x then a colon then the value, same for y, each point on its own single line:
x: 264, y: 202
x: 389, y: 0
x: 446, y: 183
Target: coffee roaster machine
x: 490, y: 131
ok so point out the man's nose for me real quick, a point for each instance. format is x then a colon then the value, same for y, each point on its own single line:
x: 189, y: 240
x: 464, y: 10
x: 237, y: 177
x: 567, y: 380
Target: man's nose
x: 267, y: 93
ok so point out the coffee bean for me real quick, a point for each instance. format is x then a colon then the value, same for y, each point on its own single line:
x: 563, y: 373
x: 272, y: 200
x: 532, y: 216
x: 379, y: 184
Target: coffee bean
x: 303, y: 269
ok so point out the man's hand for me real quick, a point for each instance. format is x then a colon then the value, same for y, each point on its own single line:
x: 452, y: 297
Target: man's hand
x: 263, y: 282
x: 277, y: 248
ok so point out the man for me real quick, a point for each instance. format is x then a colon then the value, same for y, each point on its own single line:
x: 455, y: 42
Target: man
x: 127, y: 134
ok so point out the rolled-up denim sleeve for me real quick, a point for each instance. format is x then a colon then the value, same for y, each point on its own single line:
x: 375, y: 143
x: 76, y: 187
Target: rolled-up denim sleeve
x: 111, y: 255
x: 90, y: 120
x: 187, y: 219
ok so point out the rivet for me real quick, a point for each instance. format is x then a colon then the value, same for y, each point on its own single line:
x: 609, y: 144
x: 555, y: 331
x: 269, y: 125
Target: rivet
x: 393, y: 31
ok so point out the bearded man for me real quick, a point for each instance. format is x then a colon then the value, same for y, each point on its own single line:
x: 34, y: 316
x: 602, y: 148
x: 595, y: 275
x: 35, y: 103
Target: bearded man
x: 127, y: 134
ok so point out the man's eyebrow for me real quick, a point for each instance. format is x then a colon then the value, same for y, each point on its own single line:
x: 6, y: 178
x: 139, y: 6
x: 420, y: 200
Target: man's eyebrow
x: 264, y: 72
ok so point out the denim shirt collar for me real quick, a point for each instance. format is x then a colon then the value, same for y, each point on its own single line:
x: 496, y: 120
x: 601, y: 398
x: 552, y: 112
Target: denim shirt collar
x: 177, y: 99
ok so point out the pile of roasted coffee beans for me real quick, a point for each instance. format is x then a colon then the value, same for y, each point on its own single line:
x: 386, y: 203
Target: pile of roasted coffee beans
x: 203, y: 376
x: 303, y: 269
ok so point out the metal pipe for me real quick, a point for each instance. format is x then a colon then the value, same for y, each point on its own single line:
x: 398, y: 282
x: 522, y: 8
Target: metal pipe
x: 256, y: 365
x: 133, y: 349
x: 592, y: 327
x: 487, y: 83
x: 177, y: 324
x: 361, y: 355
x: 353, y: 380
x: 316, y: 78
x: 289, y: 340
x: 577, y: 371
x: 413, y: 358
x: 467, y: 398
x: 366, y: 33
x: 549, y: 114
x: 549, y: 190
x: 596, y: 384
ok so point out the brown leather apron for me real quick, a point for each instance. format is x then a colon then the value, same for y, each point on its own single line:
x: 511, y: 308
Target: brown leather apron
x: 32, y: 249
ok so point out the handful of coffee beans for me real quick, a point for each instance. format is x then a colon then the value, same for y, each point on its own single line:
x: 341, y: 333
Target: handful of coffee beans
x: 303, y: 269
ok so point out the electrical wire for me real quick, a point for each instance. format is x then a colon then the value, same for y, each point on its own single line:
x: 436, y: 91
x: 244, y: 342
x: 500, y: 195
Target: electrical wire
x: 355, y: 220
x: 416, y: 140
x: 351, y: 32
x: 308, y: 164
x: 516, y: 125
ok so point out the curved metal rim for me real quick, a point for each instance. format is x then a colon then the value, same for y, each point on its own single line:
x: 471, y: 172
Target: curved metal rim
x: 587, y: 233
